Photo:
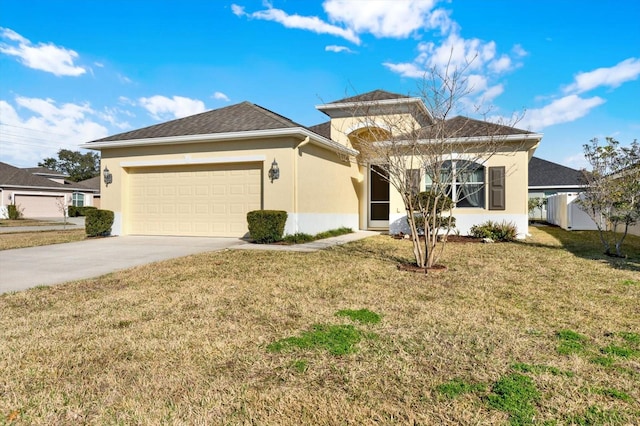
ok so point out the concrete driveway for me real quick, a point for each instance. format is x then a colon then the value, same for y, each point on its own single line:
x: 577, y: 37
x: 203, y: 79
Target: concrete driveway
x: 25, y: 268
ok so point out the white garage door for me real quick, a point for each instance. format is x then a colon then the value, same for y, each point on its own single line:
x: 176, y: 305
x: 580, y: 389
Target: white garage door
x: 203, y: 200
x: 34, y: 206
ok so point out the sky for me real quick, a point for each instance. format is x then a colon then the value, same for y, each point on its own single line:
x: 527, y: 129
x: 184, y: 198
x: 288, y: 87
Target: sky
x: 72, y: 71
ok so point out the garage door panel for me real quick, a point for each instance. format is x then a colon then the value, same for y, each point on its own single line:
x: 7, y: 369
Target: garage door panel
x: 205, y: 200
x: 39, y: 205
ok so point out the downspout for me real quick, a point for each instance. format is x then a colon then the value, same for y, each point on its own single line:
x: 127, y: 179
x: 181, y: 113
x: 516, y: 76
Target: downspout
x: 296, y: 207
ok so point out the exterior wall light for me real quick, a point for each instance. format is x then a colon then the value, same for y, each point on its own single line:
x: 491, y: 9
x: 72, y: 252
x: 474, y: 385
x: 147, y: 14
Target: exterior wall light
x: 108, y: 177
x: 274, y: 171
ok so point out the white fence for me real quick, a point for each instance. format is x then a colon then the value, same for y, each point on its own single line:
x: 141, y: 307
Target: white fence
x: 564, y: 211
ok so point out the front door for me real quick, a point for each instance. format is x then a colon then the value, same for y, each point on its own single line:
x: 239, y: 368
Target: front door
x: 378, y: 197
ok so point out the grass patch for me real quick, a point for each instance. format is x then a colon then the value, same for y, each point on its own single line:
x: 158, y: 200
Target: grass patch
x: 571, y: 342
x: 516, y: 395
x: 595, y: 415
x: 605, y: 361
x: 613, y: 393
x: 301, y: 237
x: 363, y: 316
x: 538, y: 369
x: 40, y: 238
x: 336, y: 339
x: 30, y: 222
x: 631, y: 282
x: 631, y: 338
x: 618, y: 351
x: 456, y: 387
x: 195, y: 350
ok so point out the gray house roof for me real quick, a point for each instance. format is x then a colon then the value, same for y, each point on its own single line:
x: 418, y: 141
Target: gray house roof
x: 465, y: 127
x: 543, y: 173
x: 323, y: 129
x: 14, y: 177
x: 91, y: 183
x: 375, y: 95
x: 240, y: 117
x: 43, y: 171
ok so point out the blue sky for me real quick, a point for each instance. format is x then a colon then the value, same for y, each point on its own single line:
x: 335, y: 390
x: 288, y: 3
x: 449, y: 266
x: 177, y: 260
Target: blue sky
x: 74, y: 71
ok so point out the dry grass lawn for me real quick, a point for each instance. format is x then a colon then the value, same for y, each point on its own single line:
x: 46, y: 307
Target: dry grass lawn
x: 188, y: 341
x: 40, y: 238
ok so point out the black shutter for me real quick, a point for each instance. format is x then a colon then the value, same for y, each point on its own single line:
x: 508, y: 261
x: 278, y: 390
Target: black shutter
x: 496, y: 188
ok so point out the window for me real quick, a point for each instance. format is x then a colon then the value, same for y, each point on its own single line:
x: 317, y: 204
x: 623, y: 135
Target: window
x: 463, y: 181
x: 77, y: 199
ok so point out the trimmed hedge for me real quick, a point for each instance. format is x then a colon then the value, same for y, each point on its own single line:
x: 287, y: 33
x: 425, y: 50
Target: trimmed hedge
x: 266, y: 226
x: 98, y: 222
x: 74, y: 211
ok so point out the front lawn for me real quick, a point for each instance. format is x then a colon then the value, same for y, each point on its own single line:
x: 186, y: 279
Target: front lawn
x: 512, y: 333
x: 40, y: 238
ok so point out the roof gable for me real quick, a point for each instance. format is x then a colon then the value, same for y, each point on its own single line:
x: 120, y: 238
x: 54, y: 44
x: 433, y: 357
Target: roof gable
x: 322, y: 129
x: 374, y: 95
x: 13, y: 176
x: 547, y: 173
x: 241, y: 117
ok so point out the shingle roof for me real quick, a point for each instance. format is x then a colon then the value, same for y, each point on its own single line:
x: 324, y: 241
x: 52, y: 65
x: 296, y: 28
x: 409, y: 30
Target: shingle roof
x: 322, y: 129
x: 44, y: 171
x: 547, y: 173
x: 465, y: 127
x: 375, y: 95
x: 241, y: 117
x: 91, y: 183
x: 13, y: 176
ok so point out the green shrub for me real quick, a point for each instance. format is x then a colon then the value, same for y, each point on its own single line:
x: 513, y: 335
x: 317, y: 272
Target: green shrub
x: 298, y: 238
x: 75, y: 211
x: 14, y: 212
x: 266, y: 226
x: 98, y: 222
x: 504, y: 231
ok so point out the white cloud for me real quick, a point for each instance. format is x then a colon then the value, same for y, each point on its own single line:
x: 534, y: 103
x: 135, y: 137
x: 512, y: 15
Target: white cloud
x: 43, y: 56
x: 124, y: 79
x: 627, y: 70
x: 519, y: 51
x: 39, y: 128
x: 310, y: 23
x: 163, y: 108
x: 221, y: 96
x: 337, y: 49
x: 563, y: 110
x: 577, y: 161
x: 385, y: 18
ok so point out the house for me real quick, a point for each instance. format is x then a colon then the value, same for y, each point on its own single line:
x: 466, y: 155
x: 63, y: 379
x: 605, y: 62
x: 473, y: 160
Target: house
x: 39, y: 192
x: 547, y: 178
x: 200, y: 175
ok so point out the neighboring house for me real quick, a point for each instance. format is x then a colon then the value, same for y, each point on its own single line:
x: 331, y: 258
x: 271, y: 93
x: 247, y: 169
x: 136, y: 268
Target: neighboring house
x: 93, y: 185
x: 39, y: 192
x: 200, y: 175
x: 547, y: 178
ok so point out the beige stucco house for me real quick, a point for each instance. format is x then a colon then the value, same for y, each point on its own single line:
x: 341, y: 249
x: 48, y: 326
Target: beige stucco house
x: 41, y: 193
x: 200, y: 175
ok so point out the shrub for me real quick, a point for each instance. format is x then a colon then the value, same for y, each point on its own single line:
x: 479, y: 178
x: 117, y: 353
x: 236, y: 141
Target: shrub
x: 504, y: 231
x: 98, y: 222
x: 266, y: 226
x: 14, y: 212
x: 75, y: 211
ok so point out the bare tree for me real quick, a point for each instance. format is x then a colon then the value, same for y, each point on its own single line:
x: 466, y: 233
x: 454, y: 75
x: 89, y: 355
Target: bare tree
x: 428, y: 142
x: 611, y: 194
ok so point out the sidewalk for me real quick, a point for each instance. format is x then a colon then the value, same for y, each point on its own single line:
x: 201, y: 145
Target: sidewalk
x: 312, y: 246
